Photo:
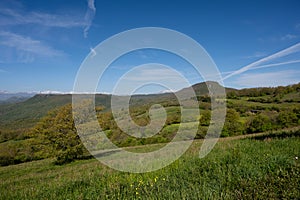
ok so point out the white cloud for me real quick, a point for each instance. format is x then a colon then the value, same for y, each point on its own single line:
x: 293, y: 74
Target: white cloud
x: 91, y: 5
x: 256, y: 55
x: 268, y: 79
x: 27, y: 48
x: 150, y: 78
x: 89, y: 16
x: 152, y: 74
x: 120, y: 67
x: 288, y: 37
x: 18, y: 17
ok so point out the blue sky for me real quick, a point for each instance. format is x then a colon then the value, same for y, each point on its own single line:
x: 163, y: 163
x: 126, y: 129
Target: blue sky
x: 43, y: 43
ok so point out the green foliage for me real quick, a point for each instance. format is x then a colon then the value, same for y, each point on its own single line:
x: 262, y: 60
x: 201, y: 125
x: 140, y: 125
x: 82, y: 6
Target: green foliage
x: 240, y: 169
x: 57, y: 131
x: 201, y: 132
x: 233, y: 125
x: 259, y: 123
x: 287, y: 119
x: 249, y: 111
x: 15, y: 152
x: 205, y: 117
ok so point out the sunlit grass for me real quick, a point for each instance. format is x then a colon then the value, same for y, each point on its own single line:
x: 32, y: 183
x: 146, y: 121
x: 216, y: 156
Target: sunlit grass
x: 235, y: 169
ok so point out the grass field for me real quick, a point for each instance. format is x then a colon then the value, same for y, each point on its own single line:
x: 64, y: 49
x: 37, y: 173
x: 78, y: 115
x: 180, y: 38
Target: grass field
x: 262, y: 168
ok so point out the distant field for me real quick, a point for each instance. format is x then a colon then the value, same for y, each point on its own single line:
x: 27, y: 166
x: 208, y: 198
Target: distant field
x: 264, y: 167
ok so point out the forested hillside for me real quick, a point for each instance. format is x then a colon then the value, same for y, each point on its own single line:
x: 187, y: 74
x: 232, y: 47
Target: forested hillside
x: 43, y: 126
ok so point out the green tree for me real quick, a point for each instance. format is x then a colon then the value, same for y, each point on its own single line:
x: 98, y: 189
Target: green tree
x: 58, y: 136
x: 259, y: 123
x: 232, y: 125
x: 287, y: 119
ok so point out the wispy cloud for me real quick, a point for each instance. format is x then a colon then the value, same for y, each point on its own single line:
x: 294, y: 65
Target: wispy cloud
x: 293, y: 49
x: 27, y: 48
x: 280, y: 38
x: 288, y: 37
x: 120, y: 67
x: 89, y: 16
x: 150, y: 78
x: 146, y: 74
x: 256, y: 55
x: 19, y: 17
x: 270, y: 79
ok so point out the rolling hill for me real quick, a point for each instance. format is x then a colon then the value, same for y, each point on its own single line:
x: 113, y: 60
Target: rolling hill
x: 17, y: 116
x: 26, y: 113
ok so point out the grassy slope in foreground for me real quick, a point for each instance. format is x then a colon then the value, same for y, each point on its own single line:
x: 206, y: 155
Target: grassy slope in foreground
x: 235, y: 169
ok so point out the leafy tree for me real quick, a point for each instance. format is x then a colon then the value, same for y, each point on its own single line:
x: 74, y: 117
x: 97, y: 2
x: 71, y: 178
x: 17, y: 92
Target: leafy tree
x: 259, y: 123
x: 58, y: 135
x: 287, y: 118
x: 232, y: 125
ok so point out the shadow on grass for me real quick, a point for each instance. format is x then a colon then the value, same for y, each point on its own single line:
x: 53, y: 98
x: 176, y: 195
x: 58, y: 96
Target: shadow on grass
x: 277, y: 135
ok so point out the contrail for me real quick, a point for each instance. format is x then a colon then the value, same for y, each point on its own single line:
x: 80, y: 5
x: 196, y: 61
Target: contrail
x: 287, y: 51
x: 89, y: 16
x: 276, y: 64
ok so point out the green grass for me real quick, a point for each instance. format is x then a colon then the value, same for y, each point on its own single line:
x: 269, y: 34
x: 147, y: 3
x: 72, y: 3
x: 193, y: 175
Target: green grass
x: 235, y: 169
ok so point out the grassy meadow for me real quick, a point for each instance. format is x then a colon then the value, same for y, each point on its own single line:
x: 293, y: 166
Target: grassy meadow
x: 261, y: 167
x: 42, y: 156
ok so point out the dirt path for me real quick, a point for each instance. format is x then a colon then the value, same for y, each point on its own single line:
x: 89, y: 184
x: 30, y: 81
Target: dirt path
x: 111, y: 151
x: 258, y: 134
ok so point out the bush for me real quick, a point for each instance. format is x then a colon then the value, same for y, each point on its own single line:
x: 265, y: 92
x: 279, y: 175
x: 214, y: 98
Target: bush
x: 287, y: 119
x: 259, y: 123
x: 232, y: 125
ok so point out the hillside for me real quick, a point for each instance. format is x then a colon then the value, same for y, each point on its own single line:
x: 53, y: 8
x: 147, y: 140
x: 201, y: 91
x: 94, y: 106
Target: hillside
x: 6, y: 97
x: 262, y: 167
x: 27, y: 128
x: 25, y: 114
x: 15, y: 116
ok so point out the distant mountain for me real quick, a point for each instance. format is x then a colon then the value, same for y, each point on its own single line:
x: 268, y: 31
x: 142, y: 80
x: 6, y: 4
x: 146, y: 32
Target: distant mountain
x: 204, y: 88
x: 6, y: 97
x: 26, y: 109
x: 26, y: 113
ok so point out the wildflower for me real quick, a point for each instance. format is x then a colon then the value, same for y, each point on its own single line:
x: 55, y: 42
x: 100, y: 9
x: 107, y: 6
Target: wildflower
x: 296, y: 157
x: 155, y: 179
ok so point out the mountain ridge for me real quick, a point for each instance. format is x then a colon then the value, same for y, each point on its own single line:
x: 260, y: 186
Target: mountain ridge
x: 26, y: 113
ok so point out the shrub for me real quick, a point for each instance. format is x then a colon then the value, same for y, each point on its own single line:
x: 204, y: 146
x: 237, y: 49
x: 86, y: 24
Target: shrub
x: 232, y: 125
x: 287, y: 119
x: 259, y: 123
